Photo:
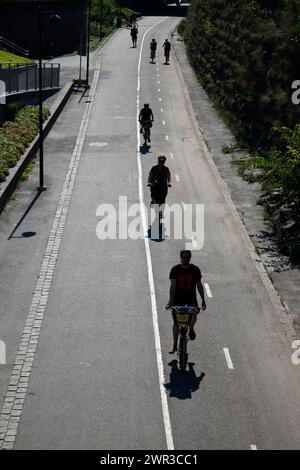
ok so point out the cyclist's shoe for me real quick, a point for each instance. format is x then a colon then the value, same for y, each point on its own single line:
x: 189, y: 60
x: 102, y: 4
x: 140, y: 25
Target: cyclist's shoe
x: 149, y: 140
x: 173, y: 350
x: 192, y: 335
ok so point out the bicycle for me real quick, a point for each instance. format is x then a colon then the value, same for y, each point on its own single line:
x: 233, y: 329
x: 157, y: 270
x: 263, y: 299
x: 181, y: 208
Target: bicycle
x: 146, y: 130
x: 183, y: 317
x: 167, y: 56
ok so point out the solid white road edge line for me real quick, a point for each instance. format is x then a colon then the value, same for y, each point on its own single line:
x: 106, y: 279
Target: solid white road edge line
x: 163, y: 394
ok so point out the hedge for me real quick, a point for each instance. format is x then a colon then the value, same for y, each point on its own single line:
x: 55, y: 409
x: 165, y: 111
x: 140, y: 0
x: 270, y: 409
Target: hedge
x: 17, y: 135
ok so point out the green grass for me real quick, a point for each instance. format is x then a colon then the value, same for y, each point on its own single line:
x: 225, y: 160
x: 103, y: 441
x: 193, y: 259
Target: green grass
x: 13, y: 58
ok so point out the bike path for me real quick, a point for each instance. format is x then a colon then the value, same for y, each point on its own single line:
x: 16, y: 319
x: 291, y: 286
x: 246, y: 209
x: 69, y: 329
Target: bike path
x: 223, y: 408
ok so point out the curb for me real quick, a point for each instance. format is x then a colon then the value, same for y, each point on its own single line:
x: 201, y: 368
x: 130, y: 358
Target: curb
x: 284, y: 318
x: 9, y: 186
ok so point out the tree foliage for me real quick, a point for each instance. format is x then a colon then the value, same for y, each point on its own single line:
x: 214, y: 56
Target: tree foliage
x: 247, y: 54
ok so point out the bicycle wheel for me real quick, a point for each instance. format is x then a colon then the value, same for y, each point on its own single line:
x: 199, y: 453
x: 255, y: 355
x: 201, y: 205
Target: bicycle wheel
x: 183, y: 351
x: 145, y: 136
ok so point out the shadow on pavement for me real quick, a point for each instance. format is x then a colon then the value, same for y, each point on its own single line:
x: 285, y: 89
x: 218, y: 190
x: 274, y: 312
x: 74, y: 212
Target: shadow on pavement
x: 183, y: 384
x: 145, y: 149
x: 25, y: 234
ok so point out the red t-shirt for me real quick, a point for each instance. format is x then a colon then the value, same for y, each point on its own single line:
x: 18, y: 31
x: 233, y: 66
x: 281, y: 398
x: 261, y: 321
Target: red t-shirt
x: 186, y: 280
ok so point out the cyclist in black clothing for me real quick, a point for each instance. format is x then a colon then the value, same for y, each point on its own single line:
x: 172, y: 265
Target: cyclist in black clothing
x: 153, y: 46
x: 134, y: 33
x: 185, y: 278
x: 146, y: 117
x: 159, y: 180
x: 167, y: 48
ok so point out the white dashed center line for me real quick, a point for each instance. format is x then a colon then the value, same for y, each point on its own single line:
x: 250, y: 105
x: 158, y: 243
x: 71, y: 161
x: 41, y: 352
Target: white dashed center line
x: 253, y: 447
x: 158, y: 89
x: 172, y: 156
x: 228, y: 358
x: 159, y: 99
x: 164, y: 123
x: 208, y: 291
x: 161, y: 110
x: 177, y: 177
x: 167, y: 137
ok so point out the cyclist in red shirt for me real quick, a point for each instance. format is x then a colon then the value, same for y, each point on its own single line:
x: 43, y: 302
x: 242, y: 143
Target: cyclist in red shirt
x: 185, y: 278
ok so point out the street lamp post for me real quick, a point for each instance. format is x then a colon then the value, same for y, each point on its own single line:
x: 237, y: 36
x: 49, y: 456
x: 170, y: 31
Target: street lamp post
x: 88, y: 45
x: 41, y: 145
x: 101, y: 18
x: 53, y: 19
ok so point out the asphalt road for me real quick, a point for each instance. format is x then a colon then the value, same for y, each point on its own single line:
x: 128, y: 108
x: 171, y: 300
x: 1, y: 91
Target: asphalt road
x: 96, y: 380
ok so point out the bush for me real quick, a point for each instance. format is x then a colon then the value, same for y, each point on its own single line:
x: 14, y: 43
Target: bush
x: 17, y: 135
x: 246, y: 55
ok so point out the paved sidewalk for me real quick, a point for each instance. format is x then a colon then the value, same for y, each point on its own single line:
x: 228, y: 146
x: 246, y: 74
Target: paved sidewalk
x: 284, y: 275
x: 69, y: 69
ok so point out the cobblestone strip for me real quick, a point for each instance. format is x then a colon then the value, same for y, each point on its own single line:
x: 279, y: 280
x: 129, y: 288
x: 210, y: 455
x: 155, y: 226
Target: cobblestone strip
x: 15, y: 396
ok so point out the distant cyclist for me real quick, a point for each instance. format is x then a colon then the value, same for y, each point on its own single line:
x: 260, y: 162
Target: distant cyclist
x: 159, y: 180
x: 167, y: 49
x: 134, y: 33
x: 146, y: 118
x: 185, y: 278
x: 153, y: 47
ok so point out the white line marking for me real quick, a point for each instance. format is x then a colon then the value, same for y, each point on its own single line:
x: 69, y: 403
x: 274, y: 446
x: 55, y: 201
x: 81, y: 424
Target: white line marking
x: 161, y: 110
x: 164, y: 123
x: 172, y: 156
x: 177, y: 177
x: 158, y: 89
x: 228, y: 358
x: 194, y: 243
x: 208, y: 291
x: 158, y: 81
x: 167, y: 137
x: 158, y: 74
x: 184, y: 206
x: 253, y: 447
x: 163, y: 393
x: 159, y: 99
x: 12, y: 409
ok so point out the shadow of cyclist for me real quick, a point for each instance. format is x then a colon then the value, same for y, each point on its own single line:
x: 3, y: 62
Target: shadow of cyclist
x: 145, y: 149
x: 157, y: 228
x: 183, y: 384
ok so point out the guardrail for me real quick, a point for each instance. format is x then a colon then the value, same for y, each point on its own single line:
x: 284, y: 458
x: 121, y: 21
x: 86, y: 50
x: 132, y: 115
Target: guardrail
x: 24, y: 77
x: 6, y: 44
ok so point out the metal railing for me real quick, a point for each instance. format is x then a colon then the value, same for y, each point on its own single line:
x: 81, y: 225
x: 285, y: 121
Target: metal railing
x: 6, y: 44
x: 24, y: 77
